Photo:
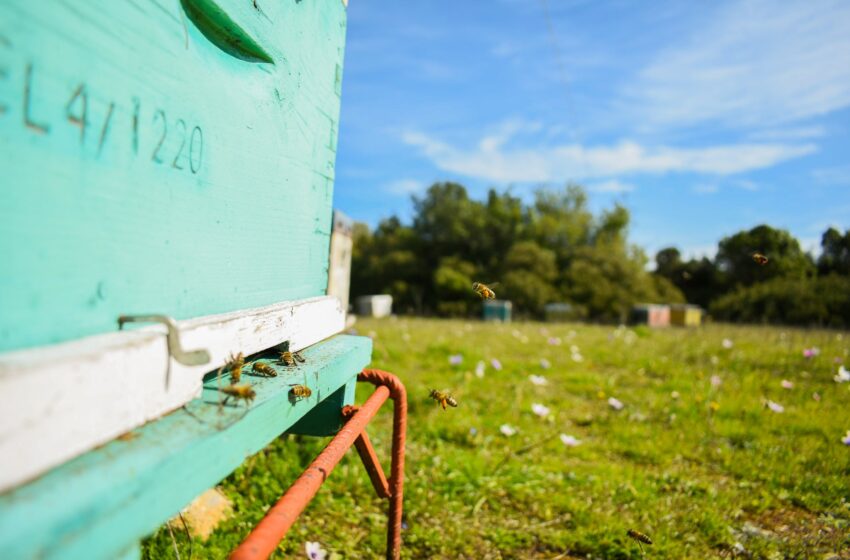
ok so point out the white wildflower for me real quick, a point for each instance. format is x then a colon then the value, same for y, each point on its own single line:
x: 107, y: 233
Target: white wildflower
x: 508, y: 430
x: 571, y: 441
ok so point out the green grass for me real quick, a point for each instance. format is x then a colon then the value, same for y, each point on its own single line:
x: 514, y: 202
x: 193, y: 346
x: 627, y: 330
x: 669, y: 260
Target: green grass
x: 697, y: 480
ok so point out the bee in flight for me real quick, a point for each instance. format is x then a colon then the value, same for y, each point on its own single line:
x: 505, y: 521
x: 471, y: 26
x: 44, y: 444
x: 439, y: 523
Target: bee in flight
x: 444, y: 398
x: 263, y: 369
x: 235, y: 364
x: 484, y: 290
x: 300, y: 392
x: 239, y: 392
x: 759, y: 259
x: 639, y: 537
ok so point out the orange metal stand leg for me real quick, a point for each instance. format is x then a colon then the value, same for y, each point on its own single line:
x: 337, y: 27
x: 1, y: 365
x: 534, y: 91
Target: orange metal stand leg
x: 396, y: 482
x: 262, y: 541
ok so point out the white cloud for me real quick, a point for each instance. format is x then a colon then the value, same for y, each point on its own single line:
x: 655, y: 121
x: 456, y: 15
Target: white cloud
x: 790, y: 133
x: 759, y: 63
x: 838, y: 175
x: 746, y: 184
x: 612, y: 186
x: 404, y: 187
x: 494, y: 161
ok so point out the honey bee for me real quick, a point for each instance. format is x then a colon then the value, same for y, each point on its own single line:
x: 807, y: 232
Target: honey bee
x: 287, y: 358
x: 235, y: 364
x: 639, y: 537
x: 760, y: 259
x: 300, y: 391
x: 444, y: 398
x: 483, y: 290
x: 263, y: 369
x: 243, y: 392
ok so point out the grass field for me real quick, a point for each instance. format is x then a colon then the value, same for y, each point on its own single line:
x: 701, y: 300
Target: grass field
x: 695, y: 458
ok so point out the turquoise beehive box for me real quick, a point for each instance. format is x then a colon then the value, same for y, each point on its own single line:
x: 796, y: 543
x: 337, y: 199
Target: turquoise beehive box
x: 160, y: 155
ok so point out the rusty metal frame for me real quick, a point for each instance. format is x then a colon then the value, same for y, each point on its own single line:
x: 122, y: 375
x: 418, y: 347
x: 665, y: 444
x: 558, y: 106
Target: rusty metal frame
x: 264, y: 538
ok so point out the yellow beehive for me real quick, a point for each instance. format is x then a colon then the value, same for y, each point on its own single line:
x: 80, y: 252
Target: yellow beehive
x: 685, y: 315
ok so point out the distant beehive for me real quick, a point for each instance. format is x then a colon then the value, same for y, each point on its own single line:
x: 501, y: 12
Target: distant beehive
x: 651, y: 315
x: 559, y: 312
x: 339, y: 275
x: 497, y: 310
x: 375, y: 306
x: 685, y: 315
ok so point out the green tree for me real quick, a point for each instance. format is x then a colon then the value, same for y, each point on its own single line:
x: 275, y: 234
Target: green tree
x: 530, y: 273
x: 453, y: 280
x: 835, y: 252
x: 786, y: 258
x: 797, y: 301
x: 668, y: 263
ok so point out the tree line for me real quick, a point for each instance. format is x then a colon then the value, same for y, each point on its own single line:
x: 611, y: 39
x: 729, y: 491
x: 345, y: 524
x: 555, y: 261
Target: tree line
x: 555, y: 249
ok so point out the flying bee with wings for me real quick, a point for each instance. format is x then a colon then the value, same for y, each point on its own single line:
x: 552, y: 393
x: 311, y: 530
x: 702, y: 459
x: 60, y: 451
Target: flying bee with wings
x: 235, y: 365
x: 484, y: 290
x: 759, y: 259
x: 238, y: 392
x: 444, y: 398
x: 639, y: 537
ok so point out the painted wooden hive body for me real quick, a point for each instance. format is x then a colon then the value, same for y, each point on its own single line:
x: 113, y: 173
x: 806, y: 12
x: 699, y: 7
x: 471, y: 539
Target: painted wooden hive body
x: 148, y: 167
x: 160, y: 156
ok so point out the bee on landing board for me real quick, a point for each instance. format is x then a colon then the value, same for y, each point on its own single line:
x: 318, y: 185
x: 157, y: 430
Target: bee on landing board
x: 444, y: 398
x: 484, y: 290
x: 288, y: 358
x: 239, y: 392
x: 235, y: 364
x: 639, y: 537
x: 263, y: 369
x: 299, y: 392
x: 759, y: 259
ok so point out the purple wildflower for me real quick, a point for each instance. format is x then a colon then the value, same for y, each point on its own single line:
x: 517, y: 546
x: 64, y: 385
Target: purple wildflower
x: 315, y: 551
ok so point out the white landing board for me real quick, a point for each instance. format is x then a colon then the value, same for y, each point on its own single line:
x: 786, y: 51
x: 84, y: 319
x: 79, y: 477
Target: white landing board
x: 59, y: 401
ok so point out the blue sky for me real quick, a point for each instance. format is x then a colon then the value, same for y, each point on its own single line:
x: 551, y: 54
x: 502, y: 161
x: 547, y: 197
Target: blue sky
x: 703, y: 118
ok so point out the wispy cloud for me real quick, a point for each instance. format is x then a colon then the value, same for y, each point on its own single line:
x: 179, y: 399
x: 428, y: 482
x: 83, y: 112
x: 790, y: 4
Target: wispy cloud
x: 494, y: 160
x: 789, y: 133
x: 756, y: 64
x: 404, y: 187
x: 611, y: 186
x: 746, y: 184
x: 837, y: 175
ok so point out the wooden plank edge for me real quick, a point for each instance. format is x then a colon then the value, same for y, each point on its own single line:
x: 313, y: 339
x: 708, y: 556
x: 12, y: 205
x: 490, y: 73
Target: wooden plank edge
x: 95, y: 505
x: 62, y: 400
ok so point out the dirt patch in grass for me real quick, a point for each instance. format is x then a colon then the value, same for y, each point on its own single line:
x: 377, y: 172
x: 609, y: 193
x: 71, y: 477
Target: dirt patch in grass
x: 798, y: 531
